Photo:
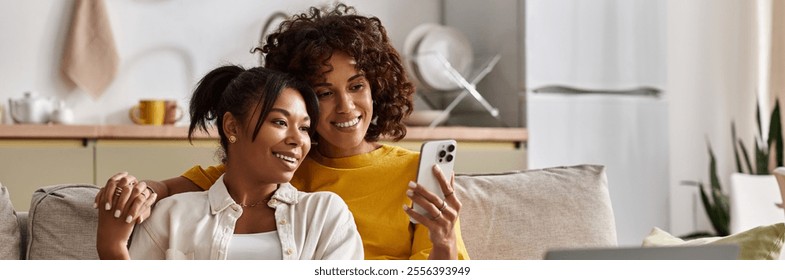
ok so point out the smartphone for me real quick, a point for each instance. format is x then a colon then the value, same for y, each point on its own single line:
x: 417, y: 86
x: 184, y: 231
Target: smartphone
x: 437, y: 152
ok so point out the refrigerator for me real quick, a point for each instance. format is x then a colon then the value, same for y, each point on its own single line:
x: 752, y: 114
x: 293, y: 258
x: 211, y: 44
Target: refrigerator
x: 595, y: 74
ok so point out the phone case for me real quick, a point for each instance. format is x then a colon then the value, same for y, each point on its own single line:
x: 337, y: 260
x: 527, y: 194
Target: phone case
x: 437, y: 152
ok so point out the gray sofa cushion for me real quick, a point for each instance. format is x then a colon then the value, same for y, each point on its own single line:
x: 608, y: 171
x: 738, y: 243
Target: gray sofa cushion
x: 9, y: 228
x: 62, y: 223
x: 560, y: 207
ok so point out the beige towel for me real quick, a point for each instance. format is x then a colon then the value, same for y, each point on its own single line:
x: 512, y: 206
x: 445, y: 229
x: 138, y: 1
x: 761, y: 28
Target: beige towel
x: 90, y: 59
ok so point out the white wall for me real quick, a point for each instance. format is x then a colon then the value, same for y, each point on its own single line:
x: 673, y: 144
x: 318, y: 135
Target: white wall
x: 165, y: 46
x: 711, y: 81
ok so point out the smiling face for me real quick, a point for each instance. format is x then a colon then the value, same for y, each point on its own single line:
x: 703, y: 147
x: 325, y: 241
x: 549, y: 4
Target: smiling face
x: 346, y: 109
x: 280, y: 146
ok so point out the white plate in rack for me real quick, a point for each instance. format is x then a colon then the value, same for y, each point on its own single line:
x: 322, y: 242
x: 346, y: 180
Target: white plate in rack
x: 410, y: 49
x: 449, y: 43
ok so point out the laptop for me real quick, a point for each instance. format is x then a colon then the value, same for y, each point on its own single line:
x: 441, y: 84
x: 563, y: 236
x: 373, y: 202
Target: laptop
x: 702, y: 252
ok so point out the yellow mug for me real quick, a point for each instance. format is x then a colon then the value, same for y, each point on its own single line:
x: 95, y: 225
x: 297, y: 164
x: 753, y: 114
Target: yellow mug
x: 148, y: 112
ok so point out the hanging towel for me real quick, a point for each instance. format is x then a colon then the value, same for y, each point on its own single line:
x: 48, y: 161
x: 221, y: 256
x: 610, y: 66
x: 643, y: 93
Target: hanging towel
x: 90, y: 59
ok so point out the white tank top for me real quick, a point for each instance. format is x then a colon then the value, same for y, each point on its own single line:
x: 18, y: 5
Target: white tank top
x: 255, y: 246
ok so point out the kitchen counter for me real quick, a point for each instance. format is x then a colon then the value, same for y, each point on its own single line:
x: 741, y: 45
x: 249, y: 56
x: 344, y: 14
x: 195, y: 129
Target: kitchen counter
x: 29, y: 131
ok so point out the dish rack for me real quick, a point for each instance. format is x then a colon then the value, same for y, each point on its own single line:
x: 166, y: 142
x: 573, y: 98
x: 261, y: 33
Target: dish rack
x: 467, y: 85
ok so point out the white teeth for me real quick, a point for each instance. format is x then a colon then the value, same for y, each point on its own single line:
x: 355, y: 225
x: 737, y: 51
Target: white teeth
x: 283, y: 157
x: 349, y: 123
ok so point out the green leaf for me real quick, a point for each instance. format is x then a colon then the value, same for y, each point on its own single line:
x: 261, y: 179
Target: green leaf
x: 775, y: 133
x: 757, y: 116
x: 746, y: 156
x: 723, y: 212
x: 717, y: 207
x: 735, y: 150
x: 761, y: 160
x: 714, y: 181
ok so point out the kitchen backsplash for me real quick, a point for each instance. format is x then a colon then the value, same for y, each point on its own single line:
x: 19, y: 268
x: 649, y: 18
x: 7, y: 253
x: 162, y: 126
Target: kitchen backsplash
x: 164, y: 47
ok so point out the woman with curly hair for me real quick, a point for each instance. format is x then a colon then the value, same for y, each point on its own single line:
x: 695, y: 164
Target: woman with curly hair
x: 363, y: 93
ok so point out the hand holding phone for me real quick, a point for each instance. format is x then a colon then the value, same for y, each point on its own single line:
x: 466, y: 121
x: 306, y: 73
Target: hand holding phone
x: 437, y: 152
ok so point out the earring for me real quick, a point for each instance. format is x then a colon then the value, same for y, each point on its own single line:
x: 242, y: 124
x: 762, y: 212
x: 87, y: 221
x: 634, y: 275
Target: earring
x: 232, y: 139
x: 373, y: 121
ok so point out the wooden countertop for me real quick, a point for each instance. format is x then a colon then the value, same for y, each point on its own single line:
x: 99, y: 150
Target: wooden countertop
x: 49, y: 131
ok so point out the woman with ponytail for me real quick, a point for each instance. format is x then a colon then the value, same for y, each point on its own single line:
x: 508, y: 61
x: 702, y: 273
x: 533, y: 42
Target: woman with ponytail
x: 264, y: 121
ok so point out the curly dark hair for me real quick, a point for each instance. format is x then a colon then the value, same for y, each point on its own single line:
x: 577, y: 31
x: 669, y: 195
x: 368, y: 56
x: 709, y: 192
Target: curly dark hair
x: 303, y: 44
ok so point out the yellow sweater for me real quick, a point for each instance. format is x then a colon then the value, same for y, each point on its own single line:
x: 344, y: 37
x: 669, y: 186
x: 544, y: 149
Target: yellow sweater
x: 374, y: 186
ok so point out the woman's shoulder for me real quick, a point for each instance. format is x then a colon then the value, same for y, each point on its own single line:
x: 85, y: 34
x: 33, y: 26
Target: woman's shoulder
x: 320, y: 196
x: 400, y: 152
x: 178, y: 210
x: 324, y: 206
x: 323, y: 200
x: 186, y: 200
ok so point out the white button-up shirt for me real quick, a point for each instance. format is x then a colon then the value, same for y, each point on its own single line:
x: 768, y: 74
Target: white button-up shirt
x: 200, y: 225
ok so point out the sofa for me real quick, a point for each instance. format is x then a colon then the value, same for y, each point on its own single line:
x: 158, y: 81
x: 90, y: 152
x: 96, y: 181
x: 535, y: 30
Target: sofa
x: 515, y: 215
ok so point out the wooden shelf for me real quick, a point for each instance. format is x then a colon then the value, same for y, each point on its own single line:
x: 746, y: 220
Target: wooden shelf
x: 28, y: 131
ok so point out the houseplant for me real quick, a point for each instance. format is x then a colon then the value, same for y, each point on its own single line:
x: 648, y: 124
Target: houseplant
x: 768, y: 154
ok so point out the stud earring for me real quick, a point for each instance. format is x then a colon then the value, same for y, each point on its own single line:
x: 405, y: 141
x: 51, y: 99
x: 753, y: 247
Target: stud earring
x: 232, y: 139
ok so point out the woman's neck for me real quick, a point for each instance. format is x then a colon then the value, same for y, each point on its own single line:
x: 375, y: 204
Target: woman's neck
x: 245, y: 192
x: 332, y: 151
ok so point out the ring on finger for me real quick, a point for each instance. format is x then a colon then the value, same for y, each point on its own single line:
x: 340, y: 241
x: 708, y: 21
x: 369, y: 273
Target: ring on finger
x: 444, y: 205
x: 118, y: 191
x: 449, y: 194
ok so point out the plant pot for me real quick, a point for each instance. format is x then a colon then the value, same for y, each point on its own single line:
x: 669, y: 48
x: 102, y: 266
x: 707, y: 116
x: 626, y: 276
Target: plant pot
x: 753, y: 202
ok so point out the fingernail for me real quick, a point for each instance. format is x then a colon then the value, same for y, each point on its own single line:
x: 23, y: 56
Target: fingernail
x: 412, y: 184
x: 405, y: 207
x: 108, y: 206
x: 129, y: 219
x: 117, y: 213
x: 410, y: 193
x: 95, y: 205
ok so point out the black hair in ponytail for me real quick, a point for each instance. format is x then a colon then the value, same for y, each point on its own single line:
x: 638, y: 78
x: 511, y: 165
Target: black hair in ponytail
x: 236, y: 90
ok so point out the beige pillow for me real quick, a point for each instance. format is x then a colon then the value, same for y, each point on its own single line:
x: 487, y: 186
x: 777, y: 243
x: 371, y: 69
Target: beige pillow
x: 520, y: 215
x: 760, y: 243
x: 9, y: 228
x: 62, y: 223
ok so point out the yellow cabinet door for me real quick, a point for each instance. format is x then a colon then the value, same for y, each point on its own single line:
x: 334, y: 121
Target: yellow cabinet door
x: 27, y: 165
x: 152, y: 159
x: 475, y: 157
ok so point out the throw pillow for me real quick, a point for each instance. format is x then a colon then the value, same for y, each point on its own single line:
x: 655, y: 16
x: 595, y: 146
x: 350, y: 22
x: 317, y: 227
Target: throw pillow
x: 62, y: 223
x: 9, y: 228
x: 760, y: 243
x: 521, y: 215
